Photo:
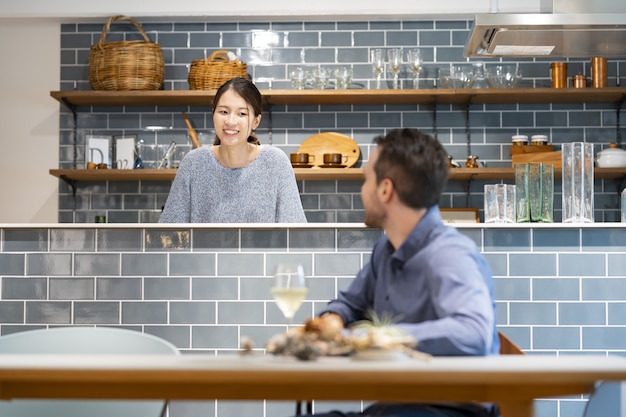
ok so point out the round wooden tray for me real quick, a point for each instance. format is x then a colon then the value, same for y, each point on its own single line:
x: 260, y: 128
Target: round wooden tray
x: 331, y: 142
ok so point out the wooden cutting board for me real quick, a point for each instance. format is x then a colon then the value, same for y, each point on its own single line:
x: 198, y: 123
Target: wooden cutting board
x: 331, y: 142
x: 545, y: 157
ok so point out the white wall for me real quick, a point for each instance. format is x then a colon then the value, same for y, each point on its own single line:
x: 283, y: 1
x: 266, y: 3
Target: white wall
x: 29, y: 121
x: 30, y: 50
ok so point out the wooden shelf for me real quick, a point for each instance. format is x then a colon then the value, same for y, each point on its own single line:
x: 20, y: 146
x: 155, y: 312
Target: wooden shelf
x: 334, y: 97
x: 310, y: 174
x: 75, y: 99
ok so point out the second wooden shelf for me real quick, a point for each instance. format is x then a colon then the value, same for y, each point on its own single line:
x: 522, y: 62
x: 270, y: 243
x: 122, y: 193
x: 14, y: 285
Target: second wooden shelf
x: 310, y: 174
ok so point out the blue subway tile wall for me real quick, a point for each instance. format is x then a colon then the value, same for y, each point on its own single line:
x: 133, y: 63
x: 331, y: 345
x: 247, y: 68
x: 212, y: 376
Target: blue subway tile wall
x: 204, y: 288
x: 271, y: 50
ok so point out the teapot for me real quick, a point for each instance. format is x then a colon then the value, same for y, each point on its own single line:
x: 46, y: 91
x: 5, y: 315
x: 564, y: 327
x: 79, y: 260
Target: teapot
x: 612, y: 157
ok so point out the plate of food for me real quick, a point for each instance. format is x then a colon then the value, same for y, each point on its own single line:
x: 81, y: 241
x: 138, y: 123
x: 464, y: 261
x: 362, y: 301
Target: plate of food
x: 365, y: 341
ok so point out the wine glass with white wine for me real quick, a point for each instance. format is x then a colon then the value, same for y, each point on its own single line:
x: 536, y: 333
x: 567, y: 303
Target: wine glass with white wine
x: 289, y: 288
x: 414, y: 57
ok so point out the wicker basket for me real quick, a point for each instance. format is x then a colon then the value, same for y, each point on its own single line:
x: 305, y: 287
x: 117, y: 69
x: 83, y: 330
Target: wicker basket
x: 125, y: 65
x: 212, y: 72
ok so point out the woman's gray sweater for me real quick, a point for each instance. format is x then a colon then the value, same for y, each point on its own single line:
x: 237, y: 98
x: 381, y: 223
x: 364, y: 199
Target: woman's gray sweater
x: 204, y: 191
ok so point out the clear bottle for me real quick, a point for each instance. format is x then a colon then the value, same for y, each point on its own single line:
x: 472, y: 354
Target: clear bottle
x: 623, y: 205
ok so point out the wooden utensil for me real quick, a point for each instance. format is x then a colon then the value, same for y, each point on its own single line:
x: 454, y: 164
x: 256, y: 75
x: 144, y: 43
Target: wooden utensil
x: 195, y: 142
x: 331, y: 142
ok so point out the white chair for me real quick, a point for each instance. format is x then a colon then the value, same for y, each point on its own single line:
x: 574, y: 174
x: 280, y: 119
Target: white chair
x: 606, y: 401
x: 84, y: 340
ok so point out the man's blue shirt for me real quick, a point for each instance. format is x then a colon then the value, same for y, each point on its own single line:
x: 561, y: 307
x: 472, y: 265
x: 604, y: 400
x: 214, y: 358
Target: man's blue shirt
x: 436, y: 285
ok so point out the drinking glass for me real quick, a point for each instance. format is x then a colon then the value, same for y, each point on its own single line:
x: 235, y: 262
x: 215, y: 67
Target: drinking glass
x: 378, y: 64
x: 343, y: 78
x: 499, y: 203
x: 414, y: 57
x: 298, y: 78
x: 289, y: 288
x: 320, y: 78
x: 394, y: 55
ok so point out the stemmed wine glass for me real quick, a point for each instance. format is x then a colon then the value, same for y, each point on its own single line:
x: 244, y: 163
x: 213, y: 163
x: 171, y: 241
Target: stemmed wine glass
x: 378, y: 64
x: 394, y: 55
x: 289, y: 288
x: 415, y: 65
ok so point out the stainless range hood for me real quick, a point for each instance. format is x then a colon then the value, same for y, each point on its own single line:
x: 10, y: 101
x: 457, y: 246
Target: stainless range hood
x: 563, y: 28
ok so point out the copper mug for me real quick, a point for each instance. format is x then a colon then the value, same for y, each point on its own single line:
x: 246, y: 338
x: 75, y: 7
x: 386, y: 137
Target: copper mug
x: 335, y: 158
x: 301, y: 158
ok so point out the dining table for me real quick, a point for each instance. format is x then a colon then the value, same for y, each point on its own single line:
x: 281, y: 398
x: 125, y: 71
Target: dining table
x: 512, y: 381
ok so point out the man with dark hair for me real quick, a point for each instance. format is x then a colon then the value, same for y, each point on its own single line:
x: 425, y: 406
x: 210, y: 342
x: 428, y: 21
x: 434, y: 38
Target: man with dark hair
x: 426, y: 274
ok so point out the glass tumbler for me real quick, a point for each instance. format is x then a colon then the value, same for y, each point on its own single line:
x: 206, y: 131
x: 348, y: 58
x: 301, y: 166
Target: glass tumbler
x: 298, y: 78
x: 343, y: 78
x: 534, y: 192
x: 499, y: 203
x: 540, y: 191
x: 320, y: 78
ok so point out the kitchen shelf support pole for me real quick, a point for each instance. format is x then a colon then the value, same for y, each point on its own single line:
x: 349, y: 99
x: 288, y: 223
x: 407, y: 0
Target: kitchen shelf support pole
x: 72, y: 184
x: 468, y: 136
x: 434, y: 113
x: 618, y: 111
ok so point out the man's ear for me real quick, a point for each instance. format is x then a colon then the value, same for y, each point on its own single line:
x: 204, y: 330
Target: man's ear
x: 386, y: 190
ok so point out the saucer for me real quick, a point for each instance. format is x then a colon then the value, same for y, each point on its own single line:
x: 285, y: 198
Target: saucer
x: 332, y: 166
x: 299, y: 165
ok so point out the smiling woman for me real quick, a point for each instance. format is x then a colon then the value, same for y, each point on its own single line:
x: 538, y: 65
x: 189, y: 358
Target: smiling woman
x: 237, y: 180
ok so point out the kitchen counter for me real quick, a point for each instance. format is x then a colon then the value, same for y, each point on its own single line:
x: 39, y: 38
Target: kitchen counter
x: 560, y: 289
x: 596, y: 225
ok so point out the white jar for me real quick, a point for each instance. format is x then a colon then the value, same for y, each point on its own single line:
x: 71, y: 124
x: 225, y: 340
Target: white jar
x: 612, y: 157
x: 538, y: 140
x: 519, y: 140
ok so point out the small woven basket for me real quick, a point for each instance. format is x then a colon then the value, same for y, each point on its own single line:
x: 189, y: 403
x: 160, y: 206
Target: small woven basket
x: 212, y: 72
x: 125, y: 65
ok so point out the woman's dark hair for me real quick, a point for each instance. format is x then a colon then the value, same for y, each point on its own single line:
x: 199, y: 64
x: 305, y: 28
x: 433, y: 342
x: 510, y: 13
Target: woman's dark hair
x: 246, y: 90
x: 416, y: 163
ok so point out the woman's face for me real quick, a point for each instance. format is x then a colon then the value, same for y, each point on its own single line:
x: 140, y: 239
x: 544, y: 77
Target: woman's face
x: 234, y: 119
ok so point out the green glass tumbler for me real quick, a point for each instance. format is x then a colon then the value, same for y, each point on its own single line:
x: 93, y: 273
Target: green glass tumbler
x: 522, y: 212
x: 534, y: 183
x: 541, y: 191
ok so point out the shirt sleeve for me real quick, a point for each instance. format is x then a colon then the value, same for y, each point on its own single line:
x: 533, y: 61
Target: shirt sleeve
x: 464, y: 308
x: 354, y: 303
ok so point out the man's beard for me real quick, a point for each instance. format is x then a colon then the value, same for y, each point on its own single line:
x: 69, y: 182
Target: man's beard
x: 374, y: 218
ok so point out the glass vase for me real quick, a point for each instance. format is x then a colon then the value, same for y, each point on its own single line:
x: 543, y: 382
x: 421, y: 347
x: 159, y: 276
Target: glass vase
x: 577, y: 182
x: 534, y: 184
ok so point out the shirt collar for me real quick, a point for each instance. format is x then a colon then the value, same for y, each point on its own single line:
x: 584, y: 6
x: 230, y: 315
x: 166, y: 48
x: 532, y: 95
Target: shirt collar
x: 417, y: 239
